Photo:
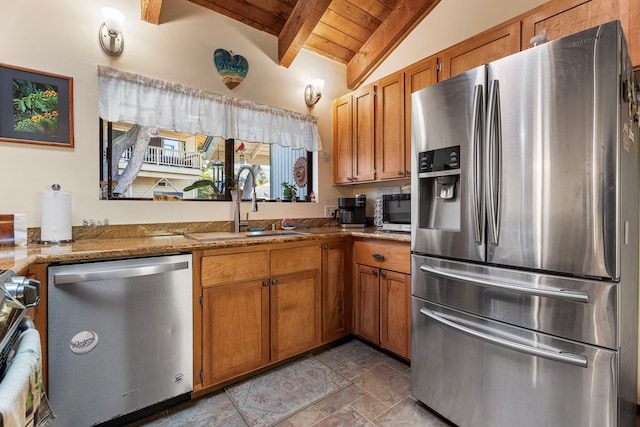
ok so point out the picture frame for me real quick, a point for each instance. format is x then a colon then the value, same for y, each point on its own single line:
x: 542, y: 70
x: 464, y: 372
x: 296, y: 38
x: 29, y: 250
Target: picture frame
x: 35, y: 107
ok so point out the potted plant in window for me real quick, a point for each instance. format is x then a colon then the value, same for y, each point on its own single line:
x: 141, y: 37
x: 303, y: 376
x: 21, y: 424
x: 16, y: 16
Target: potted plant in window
x: 289, y: 192
x: 231, y: 184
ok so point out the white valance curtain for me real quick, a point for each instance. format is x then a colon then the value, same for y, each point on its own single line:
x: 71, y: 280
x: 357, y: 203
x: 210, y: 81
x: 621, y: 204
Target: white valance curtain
x: 150, y: 102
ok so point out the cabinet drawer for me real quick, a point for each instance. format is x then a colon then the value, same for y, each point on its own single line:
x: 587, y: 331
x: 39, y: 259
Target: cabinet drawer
x: 285, y: 261
x: 219, y: 269
x: 390, y: 256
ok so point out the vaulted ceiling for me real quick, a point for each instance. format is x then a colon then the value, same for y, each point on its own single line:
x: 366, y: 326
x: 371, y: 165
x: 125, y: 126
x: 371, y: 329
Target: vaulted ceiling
x: 358, y: 33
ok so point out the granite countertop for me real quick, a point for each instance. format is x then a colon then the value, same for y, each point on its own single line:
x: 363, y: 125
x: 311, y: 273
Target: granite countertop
x: 20, y: 258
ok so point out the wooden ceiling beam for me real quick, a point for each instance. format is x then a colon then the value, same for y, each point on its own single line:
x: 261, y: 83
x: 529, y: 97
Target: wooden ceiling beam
x: 150, y: 11
x: 402, y: 19
x: 303, y: 19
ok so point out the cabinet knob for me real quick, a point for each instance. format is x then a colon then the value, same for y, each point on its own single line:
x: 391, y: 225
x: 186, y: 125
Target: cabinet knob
x: 374, y: 272
x: 274, y: 282
x: 383, y: 274
x: 378, y: 257
x: 407, y: 172
x: 400, y: 173
x: 265, y: 283
x: 326, y: 247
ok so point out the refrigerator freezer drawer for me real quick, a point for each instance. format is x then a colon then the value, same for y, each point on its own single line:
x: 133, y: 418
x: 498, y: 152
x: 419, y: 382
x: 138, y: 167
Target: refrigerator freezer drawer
x: 478, y: 372
x: 581, y: 310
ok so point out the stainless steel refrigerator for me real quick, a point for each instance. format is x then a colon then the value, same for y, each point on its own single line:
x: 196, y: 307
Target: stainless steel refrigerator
x: 525, y: 238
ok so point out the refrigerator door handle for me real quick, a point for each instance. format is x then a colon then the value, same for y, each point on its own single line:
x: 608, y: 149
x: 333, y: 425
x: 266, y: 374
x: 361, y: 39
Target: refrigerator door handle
x: 476, y: 150
x: 565, y: 294
x: 558, y: 356
x: 494, y: 160
x: 120, y: 273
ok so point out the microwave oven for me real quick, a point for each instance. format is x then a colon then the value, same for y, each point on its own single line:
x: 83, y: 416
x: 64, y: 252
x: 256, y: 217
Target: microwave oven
x: 396, y: 212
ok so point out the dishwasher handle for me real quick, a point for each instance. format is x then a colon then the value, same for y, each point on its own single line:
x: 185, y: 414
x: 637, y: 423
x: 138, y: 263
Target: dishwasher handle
x: 119, y: 273
x: 558, y: 356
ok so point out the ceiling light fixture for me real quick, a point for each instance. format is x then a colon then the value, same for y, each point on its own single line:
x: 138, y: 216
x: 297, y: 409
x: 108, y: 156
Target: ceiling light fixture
x: 110, y: 35
x: 313, y: 92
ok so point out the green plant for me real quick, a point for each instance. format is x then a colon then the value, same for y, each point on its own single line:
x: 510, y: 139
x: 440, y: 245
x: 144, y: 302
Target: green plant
x: 35, y: 107
x: 230, y: 183
x: 289, y: 191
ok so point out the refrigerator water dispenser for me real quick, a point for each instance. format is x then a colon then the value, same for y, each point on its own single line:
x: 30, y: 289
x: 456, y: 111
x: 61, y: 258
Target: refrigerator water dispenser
x: 439, y: 187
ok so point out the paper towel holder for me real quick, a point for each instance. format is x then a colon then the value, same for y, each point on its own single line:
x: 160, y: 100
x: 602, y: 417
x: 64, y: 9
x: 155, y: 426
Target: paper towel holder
x: 56, y: 187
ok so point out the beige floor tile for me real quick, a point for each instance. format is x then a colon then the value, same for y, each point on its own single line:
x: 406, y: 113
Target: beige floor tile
x: 345, y: 417
x: 384, y: 383
x: 369, y: 406
x: 409, y: 413
x: 340, y: 399
x: 303, y: 418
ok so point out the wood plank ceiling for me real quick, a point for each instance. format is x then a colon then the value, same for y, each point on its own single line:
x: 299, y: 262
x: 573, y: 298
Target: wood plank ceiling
x: 358, y: 33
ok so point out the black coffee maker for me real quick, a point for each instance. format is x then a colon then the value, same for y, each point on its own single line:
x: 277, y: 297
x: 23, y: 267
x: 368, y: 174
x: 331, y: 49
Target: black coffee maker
x: 352, y: 211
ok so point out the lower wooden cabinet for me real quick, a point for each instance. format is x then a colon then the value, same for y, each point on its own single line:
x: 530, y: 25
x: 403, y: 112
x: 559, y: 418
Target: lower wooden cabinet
x: 235, y: 334
x: 295, y: 313
x: 382, y: 297
x: 395, y: 312
x: 259, y: 306
x: 336, y: 289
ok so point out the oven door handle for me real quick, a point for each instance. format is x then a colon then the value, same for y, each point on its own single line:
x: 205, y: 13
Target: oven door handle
x: 119, y: 273
x: 558, y: 356
x: 565, y: 294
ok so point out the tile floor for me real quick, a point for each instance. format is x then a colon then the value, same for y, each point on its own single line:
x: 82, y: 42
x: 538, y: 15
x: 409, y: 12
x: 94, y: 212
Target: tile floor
x: 379, y: 396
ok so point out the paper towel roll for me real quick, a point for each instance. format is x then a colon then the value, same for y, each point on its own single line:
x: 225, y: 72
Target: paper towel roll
x: 56, y: 216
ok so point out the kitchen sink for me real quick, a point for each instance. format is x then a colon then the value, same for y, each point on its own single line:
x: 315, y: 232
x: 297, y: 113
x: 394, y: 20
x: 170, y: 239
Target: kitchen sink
x: 223, y: 235
x: 272, y: 233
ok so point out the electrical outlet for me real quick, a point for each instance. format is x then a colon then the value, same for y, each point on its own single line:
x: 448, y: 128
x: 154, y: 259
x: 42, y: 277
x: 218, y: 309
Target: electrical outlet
x: 329, y: 211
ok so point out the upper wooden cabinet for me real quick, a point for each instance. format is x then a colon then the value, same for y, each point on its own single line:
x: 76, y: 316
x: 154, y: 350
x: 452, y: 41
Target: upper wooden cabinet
x: 390, y: 116
x: 418, y: 76
x: 488, y: 46
x: 563, y: 17
x: 354, y: 137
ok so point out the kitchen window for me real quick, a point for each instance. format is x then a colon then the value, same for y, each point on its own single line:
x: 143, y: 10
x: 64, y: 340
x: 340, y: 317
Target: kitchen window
x: 162, y: 140
x: 170, y: 162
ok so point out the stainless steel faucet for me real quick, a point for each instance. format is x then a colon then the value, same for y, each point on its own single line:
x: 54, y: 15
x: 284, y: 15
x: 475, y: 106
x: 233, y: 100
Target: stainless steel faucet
x: 254, y: 205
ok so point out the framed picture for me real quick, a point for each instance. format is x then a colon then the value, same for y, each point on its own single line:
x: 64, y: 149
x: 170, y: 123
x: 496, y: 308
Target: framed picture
x: 35, y: 107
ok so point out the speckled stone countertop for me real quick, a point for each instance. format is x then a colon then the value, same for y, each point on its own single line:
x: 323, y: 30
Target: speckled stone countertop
x: 20, y: 258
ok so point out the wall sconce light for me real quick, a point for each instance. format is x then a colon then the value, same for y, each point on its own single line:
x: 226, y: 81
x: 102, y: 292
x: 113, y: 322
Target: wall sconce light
x: 313, y: 92
x: 110, y: 35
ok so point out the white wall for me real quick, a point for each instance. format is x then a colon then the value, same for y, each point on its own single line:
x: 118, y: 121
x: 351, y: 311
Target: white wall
x: 61, y: 37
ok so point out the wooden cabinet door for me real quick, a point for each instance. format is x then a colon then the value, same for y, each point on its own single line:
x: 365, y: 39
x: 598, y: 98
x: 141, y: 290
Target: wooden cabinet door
x: 565, y: 17
x: 417, y: 76
x: 363, y: 125
x: 367, y: 303
x: 336, y: 301
x: 342, y: 140
x: 295, y: 314
x: 235, y: 330
x: 488, y: 46
x: 390, y: 140
x: 395, y: 312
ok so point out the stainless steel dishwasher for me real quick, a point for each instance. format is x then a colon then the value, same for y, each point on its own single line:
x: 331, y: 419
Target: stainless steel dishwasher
x: 120, y: 338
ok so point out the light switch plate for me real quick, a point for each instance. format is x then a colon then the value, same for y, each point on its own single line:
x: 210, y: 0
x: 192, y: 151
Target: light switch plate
x: 329, y: 211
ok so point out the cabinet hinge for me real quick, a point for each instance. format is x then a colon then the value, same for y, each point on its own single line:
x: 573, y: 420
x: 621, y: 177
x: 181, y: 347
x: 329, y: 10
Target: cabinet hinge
x: 201, y: 375
x: 201, y: 301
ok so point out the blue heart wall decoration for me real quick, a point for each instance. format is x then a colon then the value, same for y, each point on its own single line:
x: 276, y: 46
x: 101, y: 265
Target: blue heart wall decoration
x: 231, y: 68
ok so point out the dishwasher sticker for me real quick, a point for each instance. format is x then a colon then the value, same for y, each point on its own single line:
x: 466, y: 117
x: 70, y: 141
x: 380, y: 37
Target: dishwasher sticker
x: 83, y: 342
